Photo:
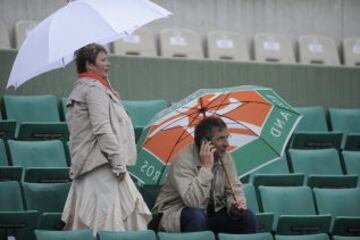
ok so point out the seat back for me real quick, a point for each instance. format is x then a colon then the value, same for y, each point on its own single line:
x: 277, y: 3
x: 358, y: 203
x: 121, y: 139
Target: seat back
x: 319, y: 236
x: 314, y: 119
x: 273, y: 48
x: 316, y: 161
x: 338, y: 202
x: 345, y: 119
x: 42, y: 108
x: 11, y: 197
x: 352, y: 162
x: 252, y: 236
x: 251, y: 198
x: 45, y: 197
x: 61, y: 235
x: 4, y: 36
x: 318, y: 50
x: 285, y: 200
x: 142, y: 111
x: 205, y: 235
x: 37, y: 153
x: 225, y: 45
x: 351, y: 48
x: 139, y: 43
x: 128, y: 235
x: 22, y: 29
x: 180, y: 43
x: 3, y: 156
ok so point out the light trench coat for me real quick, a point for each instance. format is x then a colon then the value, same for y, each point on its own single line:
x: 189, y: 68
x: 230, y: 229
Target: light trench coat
x: 190, y: 185
x: 102, y: 143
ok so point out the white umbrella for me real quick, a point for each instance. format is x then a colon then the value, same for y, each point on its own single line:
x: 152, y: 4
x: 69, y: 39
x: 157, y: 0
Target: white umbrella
x: 51, y: 44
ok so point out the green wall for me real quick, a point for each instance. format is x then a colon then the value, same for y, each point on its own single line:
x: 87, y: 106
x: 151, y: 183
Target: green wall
x: 173, y: 79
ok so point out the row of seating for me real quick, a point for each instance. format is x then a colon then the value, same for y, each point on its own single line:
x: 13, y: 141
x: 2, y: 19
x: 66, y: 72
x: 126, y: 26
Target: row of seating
x: 221, y: 44
x: 43, y: 117
x: 151, y: 235
x: 288, y: 210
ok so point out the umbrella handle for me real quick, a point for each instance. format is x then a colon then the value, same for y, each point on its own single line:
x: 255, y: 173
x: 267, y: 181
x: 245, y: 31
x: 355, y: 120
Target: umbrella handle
x: 228, y: 180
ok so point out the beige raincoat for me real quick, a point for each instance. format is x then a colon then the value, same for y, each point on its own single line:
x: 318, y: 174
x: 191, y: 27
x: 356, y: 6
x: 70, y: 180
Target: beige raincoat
x: 102, y: 144
x: 190, y: 185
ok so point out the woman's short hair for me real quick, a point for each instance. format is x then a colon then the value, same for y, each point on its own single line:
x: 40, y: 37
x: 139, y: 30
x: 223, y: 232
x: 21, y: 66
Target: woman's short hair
x: 204, y: 129
x: 86, y: 54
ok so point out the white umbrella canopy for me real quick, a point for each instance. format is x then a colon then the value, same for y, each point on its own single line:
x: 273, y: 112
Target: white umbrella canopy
x: 51, y: 44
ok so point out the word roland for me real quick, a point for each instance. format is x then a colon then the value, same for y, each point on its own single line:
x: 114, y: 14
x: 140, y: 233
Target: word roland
x: 279, y: 124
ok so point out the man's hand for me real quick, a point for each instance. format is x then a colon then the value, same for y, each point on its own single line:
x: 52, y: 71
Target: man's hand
x: 237, y: 208
x: 207, y: 154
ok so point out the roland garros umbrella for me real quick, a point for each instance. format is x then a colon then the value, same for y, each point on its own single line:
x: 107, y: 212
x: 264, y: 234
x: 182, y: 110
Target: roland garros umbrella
x: 260, y: 123
x: 51, y: 44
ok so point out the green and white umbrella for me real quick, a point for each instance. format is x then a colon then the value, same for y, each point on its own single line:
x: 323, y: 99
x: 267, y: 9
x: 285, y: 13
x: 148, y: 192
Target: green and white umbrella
x: 260, y: 123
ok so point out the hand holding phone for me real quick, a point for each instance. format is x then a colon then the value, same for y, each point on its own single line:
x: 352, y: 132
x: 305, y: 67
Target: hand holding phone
x: 207, y: 151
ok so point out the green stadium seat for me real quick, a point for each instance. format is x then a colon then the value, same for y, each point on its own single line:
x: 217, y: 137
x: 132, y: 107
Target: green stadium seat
x: 44, y: 161
x: 205, y: 235
x: 352, y: 142
x: 312, y: 131
x: 345, y: 119
x: 344, y: 207
x: 63, y: 108
x: 127, y: 235
x: 62, y: 235
x: 14, y: 220
x: 294, y: 210
x: 45, y: 197
x: 8, y: 173
x: 322, y: 168
x: 38, y: 117
x: 352, y: 162
x: 337, y: 237
x: 319, y: 236
x: 150, y: 193
x: 50, y: 221
x: 265, y: 220
x: 252, y: 236
x: 142, y: 111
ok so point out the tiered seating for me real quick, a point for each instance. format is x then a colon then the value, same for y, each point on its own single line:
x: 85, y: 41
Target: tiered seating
x: 44, y: 161
x: 142, y: 111
x: 225, y: 45
x: 38, y: 117
x: 273, y: 48
x: 140, y: 43
x: 8, y: 172
x: 312, y: 131
x: 128, y: 235
x: 61, y: 235
x: 322, y: 168
x: 294, y: 210
x: 319, y: 236
x: 255, y: 236
x: 352, y: 163
x: 189, y: 236
x: 318, y: 50
x: 180, y: 43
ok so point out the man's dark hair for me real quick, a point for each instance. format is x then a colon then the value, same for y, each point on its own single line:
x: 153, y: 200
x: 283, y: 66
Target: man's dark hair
x: 204, y: 129
x: 86, y: 54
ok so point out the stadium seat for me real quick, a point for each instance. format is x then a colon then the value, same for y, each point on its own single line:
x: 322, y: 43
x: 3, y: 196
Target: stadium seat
x: 352, y: 142
x: 337, y: 237
x: 265, y: 220
x: 8, y: 173
x: 205, y: 235
x: 127, y: 235
x: 63, y: 108
x: 225, y: 45
x: 312, y: 131
x: 14, y: 220
x: 318, y: 50
x: 252, y: 236
x: 7, y: 129
x: 180, y: 43
x: 4, y: 36
x: 273, y: 48
x: 344, y: 207
x: 38, y: 117
x: 277, y: 166
x: 61, y: 235
x: 319, y: 236
x: 322, y: 168
x: 290, y: 216
x: 140, y: 43
x: 352, y: 162
x: 22, y: 28
x: 44, y: 161
x: 351, y: 47
x: 50, y: 221
x: 45, y: 197
x: 149, y: 193
x: 142, y: 111
x: 345, y: 120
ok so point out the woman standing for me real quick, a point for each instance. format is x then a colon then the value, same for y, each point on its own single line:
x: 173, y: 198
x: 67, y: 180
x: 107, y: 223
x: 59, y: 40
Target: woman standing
x: 102, y: 195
